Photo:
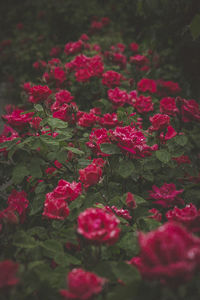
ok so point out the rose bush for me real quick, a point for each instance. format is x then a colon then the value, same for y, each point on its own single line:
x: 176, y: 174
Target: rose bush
x: 101, y: 152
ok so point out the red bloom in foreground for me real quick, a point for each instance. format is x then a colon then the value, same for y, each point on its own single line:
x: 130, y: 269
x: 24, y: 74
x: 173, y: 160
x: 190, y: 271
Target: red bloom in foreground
x: 169, y: 254
x: 143, y: 104
x: 8, y: 270
x: 188, y: 216
x: 159, y: 122
x: 166, y: 195
x: 82, y: 285
x: 98, y: 226
x: 67, y: 191
x: 168, y: 106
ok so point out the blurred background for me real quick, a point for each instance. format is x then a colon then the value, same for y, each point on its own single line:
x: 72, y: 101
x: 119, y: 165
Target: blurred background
x: 30, y: 29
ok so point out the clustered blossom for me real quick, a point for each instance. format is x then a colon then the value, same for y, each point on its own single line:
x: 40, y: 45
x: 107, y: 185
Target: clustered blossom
x: 169, y: 254
x: 147, y: 85
x: 168, y: 106
x: 62, y: 97
x: 82, y: 285
x: 97, y: 137
x: 73, y: 47
x: 117, y: 97
x: 8, y: 134
x: 190, y: 111
x: 111, y: 79
x: 166, y: 195
x: 132, y: 141
x: 109, y: 120
x: 98, y: 226
x: 86, y: 67
x: 39, y: 93
x: 57, y: 75
x: 143, y: 104
x: 17, y: 208
x: 91, y: 175
x: 188, y: 216
x: 56, y: 202
x: 18, y: 119
x: 161, y: 124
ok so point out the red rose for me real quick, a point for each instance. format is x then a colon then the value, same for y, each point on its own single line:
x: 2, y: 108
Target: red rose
x: 169, y: 254
x: 111, y: 79
x: 90, y: 175
x: 18, y: 119
x: 55, y: 208
x: 118, y: 97
x: 166, y: 195
x: 18, y: 202
x: 98, y: 226
x: 143, y: 104
x: 134, y: 47
x: 67, y: 191
x: 147, y: 85
x: 39, y: 93
x: 130, y: 201
x: 190, y: 111
x: 159, y: 122
x: 188, y: 216
x: 97, y: 137
x: 168, y: 106
x: 8, y: 270
x: 82, y: 285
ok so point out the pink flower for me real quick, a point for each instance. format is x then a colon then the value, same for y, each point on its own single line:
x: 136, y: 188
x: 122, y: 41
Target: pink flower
x: 134, y: 47
x: 109, y: 120
x: 120, y: 212
x: 168, y: 106
x: 111, y: 79
x: 67, y: 191
x: 39, y: 93
x: 188, y: 216
x: 159, y: 122
x: 156, y: 215
x: 82, y: 285
x: 87, y: 120
x: 132, y: 141
x: 91, y: 175
x: 18, y: 119
x: 55, y: 51
x: 8, y: 134
x: 169, y: 254
x: 63, y: 96
x: 98, y: 226
x: 147, y: 85
x: 143, y: 104
x: 139, y: 60
x: 190, y: 111
x: 8, y: 270
x: 96, y: 138
x: 130, y: 201
x: 166, y: 195
x: 18, y: 202
x: 55, y: 208
x: 73, y: 47
x: 118, y: 97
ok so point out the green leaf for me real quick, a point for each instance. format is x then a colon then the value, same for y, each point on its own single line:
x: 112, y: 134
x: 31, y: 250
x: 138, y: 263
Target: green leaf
x: 56, y: 123
x: 38, y: 107
x: 110, y: 148
x: 181, y: 140
x: 163, y: 155
x: 126, y: 168
x: 75, y: 150
x: 195, y: 26
x: 23, y: 240
x: 66, y: 259
x: 139, y: 200
x: 53, y: 246
x: 35, y: 169
x: 19, y: 172
x: 125, y: 272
